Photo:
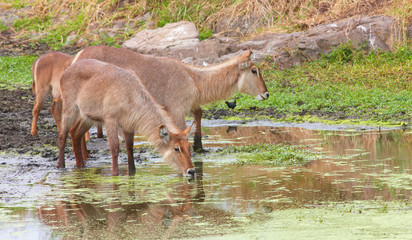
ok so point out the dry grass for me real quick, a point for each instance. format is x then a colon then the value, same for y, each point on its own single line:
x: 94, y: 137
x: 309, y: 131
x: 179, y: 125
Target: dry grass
x: 59, y: 16
x: 327, y: 11
x: 293, y: 15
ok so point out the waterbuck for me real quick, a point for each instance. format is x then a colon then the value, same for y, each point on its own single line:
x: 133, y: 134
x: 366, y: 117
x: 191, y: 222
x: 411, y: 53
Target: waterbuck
x: 94, y: 91
x: 183, y: 88
x: 46, y: 73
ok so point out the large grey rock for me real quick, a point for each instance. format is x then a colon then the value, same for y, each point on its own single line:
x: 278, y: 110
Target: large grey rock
x: 376, y: 32
x: 180, y: 40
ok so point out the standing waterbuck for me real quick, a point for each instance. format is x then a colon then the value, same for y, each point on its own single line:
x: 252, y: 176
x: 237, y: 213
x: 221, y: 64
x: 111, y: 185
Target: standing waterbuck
x: 46, y: 73
x: 183, y: 88
x: 94, y: 91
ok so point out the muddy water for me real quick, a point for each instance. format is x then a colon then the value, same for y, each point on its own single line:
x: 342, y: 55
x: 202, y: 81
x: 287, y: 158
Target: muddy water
x: 360, y: 189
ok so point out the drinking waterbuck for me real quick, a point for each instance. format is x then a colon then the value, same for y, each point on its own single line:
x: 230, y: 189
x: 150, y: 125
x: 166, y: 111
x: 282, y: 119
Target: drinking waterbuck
x: 46, y: 73
x: 183, y: 88
x: 94, y: 91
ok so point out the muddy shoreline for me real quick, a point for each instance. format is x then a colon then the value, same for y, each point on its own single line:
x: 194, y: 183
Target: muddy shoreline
x: 15, y: 113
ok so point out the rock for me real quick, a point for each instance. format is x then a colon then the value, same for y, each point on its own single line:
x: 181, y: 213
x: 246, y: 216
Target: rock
x: 177, y: 40
x: 180, y: 40
x: 376, y: 32
x: 9, y: 16
x: 119, y: 24
x: 237, y: 26
x: 70, y: 39
x: 143, y: 18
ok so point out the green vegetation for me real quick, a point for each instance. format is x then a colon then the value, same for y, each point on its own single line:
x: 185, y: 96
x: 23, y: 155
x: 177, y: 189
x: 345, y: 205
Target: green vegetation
x: 269, y: 154
x: 346, y: 84
x: 363, y: 219
x: 15, y: 71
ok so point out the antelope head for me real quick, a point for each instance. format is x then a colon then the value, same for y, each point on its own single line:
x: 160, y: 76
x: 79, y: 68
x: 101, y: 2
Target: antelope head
x: 178, y: 150
x: 251, y: 81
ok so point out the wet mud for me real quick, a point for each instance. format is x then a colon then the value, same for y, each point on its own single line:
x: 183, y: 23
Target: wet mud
x: 16, y: 116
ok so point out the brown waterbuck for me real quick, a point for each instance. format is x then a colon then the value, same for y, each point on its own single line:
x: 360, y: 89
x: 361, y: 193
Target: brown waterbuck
x: 46, y: 73
x: 183, y: 88
x: 94, y: 91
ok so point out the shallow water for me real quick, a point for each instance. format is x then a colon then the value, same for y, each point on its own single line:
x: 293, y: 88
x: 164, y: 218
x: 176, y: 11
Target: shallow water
x: 360, y: 189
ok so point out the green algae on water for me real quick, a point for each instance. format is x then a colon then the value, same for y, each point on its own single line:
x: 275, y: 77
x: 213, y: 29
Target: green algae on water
x: 269, y: 154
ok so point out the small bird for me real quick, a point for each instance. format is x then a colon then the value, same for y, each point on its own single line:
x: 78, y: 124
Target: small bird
x: 231, y: 128
x: 231, y: 105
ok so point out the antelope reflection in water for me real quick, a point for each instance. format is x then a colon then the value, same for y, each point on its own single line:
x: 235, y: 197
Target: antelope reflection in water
x: 78, y: 217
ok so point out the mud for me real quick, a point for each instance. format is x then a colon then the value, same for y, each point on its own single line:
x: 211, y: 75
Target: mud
x: 15, y: 115
x: 12, y: 47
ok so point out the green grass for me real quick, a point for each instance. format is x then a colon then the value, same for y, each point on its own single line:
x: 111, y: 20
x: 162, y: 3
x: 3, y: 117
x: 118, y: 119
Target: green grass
x: 347, y: 83
x: 16, y: 71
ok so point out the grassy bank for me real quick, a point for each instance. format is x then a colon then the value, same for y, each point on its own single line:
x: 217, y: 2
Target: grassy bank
x: 346, y: 85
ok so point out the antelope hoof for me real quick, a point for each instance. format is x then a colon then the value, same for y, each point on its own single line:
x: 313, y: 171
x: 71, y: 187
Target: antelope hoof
x: 33, y: 132
x: 61, y: 165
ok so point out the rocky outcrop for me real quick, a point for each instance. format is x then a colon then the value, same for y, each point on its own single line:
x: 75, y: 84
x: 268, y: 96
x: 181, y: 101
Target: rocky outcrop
x: 180, y: 40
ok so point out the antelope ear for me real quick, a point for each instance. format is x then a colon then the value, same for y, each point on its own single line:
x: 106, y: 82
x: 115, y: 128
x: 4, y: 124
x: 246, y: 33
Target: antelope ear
x: 190, y: 130
x: 246, y: 55
x: 164, y: 134
x: 244, y: 65
x: 244, y: 60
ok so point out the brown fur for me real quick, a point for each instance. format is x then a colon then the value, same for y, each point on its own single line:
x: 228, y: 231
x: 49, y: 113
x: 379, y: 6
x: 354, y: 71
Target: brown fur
x: 46, y: 72
x: 183, y: 88
x: 94, y: 91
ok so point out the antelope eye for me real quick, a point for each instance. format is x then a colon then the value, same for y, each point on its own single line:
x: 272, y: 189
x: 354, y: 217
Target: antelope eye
x: 254, y: 70
x: 177, y: 149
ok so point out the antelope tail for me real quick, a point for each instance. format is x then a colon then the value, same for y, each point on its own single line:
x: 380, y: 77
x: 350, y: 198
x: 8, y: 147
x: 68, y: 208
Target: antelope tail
x: 34, y: 74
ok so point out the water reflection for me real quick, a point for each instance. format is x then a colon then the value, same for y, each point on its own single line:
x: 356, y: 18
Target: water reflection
x: 237, y: 135
x: 359, y: 165
x: 224, y: 197
x: 376, y: 145
x: 82, y: 219
x: 147, y: 208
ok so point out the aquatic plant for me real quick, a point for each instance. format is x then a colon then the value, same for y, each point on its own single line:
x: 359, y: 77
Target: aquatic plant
x: 270, y: 154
